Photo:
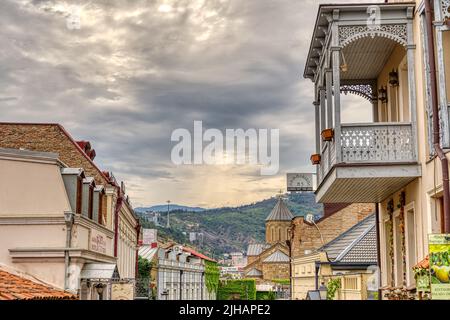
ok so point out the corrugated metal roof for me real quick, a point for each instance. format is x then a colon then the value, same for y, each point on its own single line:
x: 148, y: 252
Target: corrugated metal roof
x: 356, y: 245
x: 256, y: 249
x: 277, y: 256
x: 254, y: 273
x: 99, y: 271
x: 280, y: 212
x: 147, y: 252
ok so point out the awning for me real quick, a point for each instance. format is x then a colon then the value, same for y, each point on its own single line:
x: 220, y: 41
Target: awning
x: 99, y: 271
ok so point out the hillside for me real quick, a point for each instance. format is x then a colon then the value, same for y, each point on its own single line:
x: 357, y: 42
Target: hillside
x: 228, y: 229
x: 163, y: 208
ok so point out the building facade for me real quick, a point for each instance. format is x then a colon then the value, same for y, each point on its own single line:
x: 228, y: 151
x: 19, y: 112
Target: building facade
x: 181, y: 274
x: 270, y: 261
x: 47, y: 224
x: 350, y: 258
x: 398, y: 159
x: 109, y: 197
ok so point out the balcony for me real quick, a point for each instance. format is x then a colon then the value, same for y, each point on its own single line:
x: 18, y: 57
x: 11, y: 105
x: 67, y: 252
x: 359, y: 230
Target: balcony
x: 364, y: 162
x: 377, y: 159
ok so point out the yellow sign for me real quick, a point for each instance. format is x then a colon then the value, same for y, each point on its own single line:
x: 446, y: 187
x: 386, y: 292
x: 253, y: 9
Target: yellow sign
x: 122, y: 291
x: 439, y: 247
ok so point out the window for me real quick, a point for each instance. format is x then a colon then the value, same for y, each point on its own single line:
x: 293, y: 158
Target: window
x: 79, y: 194
x: 398, y: 251
x: 410, y: 245
x: 100, y: 207
x: 90, y: 203
x: 387, y: 239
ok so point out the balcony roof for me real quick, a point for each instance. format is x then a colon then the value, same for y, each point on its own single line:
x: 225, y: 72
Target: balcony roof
x: 348, y: 14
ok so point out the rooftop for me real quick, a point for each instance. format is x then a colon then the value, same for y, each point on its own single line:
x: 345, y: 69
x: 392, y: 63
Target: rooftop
x: 17, y: 287
x: 358, y: 245
x: 280, y: 212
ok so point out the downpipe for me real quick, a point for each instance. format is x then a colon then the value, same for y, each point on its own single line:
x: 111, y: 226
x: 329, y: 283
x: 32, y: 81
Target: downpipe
x: 68, y: 219
x: 436, y: 130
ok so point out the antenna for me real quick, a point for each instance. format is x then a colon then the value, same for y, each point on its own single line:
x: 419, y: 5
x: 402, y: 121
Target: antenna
x: 168, y: 214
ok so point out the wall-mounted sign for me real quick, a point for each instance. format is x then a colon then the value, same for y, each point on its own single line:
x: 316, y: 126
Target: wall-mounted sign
x: 299, y: 181
x: 439, y: 248
x: 98, y: 241
x: 122, y: 291
x: 149, y: 236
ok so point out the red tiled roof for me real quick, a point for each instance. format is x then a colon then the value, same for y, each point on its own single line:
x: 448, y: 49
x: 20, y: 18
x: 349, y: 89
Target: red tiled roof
x: 14, y: 287
x: 198, y: 254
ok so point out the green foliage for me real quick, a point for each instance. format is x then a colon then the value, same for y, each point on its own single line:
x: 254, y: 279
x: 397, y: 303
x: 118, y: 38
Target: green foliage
x: 212, y: 274
x: 244, y: 289
x: 332, y: 286
x: 229, y: 229
x: 284, y: 282
x: 265, y: 295
x: 144, y: 268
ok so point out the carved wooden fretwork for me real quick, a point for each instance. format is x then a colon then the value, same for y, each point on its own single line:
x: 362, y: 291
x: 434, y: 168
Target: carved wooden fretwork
x: 363, y: 90
x: 380, y: 143
x: 445, y: 6
x: 396, y: 32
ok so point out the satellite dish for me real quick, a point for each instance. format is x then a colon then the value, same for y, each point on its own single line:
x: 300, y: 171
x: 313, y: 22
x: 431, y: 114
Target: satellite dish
x: 309, y: 218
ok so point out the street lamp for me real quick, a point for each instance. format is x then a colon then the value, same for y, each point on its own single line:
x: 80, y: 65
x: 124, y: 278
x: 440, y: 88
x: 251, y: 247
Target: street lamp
x: 323, y: 291
x: 99, y: 288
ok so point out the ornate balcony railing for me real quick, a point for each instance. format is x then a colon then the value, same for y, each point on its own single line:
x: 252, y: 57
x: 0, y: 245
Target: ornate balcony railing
x: 369, y: 143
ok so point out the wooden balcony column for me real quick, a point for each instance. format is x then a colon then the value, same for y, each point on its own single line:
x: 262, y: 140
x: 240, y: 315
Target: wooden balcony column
x: 410, y: 55
x: 336, y: 63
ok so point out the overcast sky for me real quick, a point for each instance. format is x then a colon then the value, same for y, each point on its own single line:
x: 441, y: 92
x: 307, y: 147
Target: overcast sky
x: 136, y: 70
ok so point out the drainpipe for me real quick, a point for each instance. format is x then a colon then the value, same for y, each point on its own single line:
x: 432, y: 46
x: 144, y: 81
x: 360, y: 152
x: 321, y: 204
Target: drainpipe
x: 436, y: 130
x: 68, y: 219
x: 116, y: 220
x: 377, y: 222
x: 138, y: 231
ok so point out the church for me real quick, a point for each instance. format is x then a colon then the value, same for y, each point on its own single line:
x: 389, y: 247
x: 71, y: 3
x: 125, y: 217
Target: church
x: 270, y: 261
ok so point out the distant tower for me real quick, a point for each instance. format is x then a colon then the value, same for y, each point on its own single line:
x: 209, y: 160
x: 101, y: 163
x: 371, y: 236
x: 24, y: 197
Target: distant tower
x: 168, y: 214
x: 278, y: 223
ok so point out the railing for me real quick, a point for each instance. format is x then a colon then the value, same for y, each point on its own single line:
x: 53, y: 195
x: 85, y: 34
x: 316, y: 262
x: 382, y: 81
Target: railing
x: 369, y: 143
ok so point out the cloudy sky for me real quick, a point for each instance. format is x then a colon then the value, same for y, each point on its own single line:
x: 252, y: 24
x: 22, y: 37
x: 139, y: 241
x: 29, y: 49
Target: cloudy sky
x: 133, y: 71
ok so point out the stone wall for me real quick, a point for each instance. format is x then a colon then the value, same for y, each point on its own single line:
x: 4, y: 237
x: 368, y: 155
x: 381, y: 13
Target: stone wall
x: 277, y: 231
x: 273, y: 271
x: 307, y: 237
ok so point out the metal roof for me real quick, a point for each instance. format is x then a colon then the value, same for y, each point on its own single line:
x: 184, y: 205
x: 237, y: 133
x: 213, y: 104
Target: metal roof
x: 280, y: 212
x: 256, y: 249
x: 254, y: 273
x: 358, y: 245
x: 147, y: 252
x: 99, y: 271
x: 277, y: 256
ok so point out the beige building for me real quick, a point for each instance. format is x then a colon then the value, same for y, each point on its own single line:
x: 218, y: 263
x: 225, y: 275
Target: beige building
x: 385, y: 55
x: 350, y: 258
x: 41, y: 232
x: 115, y: 212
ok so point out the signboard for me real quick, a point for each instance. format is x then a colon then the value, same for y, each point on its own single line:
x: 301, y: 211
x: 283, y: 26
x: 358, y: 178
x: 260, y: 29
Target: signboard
x: 149, y: 236
x: 299, y: 181
x: 122, y: 291
x: 98, y: 241
x: 439, y: 248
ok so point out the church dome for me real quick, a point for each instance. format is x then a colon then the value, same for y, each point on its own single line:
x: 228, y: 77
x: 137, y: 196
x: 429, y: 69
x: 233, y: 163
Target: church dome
x: 280, y: 212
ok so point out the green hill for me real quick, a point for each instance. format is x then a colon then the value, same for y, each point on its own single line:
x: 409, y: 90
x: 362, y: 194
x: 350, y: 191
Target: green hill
x: 228, y: 229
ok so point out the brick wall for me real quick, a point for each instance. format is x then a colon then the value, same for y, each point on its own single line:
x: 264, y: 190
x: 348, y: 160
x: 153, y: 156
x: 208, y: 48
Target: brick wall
x: 273, y: 271
x: 279, y: 230
x: 48, y: 138
x: 307, y: 237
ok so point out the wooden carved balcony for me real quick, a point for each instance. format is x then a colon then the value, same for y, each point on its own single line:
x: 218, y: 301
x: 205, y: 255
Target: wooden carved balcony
x: 366, y: 162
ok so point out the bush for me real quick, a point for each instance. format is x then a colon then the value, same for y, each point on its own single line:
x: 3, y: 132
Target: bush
x: 244, y: 289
